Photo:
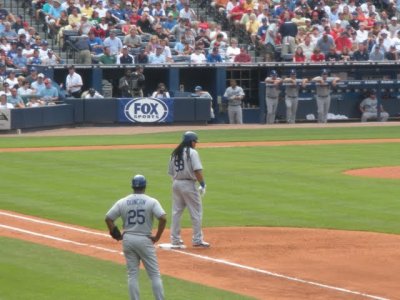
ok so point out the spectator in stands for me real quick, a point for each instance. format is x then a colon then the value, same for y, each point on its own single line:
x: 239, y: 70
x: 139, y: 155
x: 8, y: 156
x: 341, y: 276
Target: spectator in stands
x: 144, y: 24
x: 158, y: 13
x: 95, y: 19
x: 49, y: 94
x: 361, y: 54
x: 53, y: 17
x: 179, y: 46
x: 107, y: 58
x: 153, y: 43
x: 187, y: 49
x: 68, y: 28
x: 203, y: 37
x: 133, y: 40
x: 38, y: 84
x: 44, y: 47
x: 187, y: 13
x: 216, y: 29
x: 142, y: 57
x: 198, y: 57
x: 160, y: 32
x: 125, y: 57
x: 332, y: 55
x: 6, y: 88
x: 288, y: 31
x: 214, y: 56
x: 52, y: 59
x: 220, y: 43
x: 34, y: 101
x: 369, y: 109
x: 343, y: 41
x: 87, y: 9
x: 232, y: 50
x: 158, y: 57
x: 100, y: 9
x: 169, y: 23
x: 393, y: 27
x: 73, y: 83
x: 13, y: 51
x: 85, y: 26
x: 25, y: 89
x: 178, y: 31
x: 377, y: 53
x: 95, y: 45
x: 3, y: 102
x: 35, y: 59
x: 32, y: 76
x: 243, y: 56
x: 114, y: 43
x: 20, y: 61
x: 11, y: 78
x: 317, y: 55
x: 189, y: 37
x: 392, y: 53
x: 92, y: 94
x: 8, y: 32
x: 161, y: 92
x: 164, y: 43
x: 325, y: 43
x: 299, y: 55
x: 15, y: 99
x: 252, y: 28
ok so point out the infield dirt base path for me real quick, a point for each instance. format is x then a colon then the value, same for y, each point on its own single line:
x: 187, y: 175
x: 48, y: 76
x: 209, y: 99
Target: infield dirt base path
x: 265, y: 263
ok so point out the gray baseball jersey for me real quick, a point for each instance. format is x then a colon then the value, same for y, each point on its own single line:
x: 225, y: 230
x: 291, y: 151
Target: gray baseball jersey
x: 185, y: 194
x: 137, y: 212
x: 231, y: 92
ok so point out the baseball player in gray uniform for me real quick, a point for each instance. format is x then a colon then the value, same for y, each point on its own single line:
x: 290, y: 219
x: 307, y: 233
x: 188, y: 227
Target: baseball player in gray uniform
x: 369, y: 109
x: 235, y: 95
x: 137, y: 211
x: 323, y: 91
x: 185, y: 168
x: 272, y: 91
x: 292, y: 87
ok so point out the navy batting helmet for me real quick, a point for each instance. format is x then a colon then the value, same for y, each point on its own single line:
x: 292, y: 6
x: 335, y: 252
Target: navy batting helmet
x: 324, y: 72
x: 274, y: 73
x: 139, y: 181
x: 189, y: 136
x: 293, y: 72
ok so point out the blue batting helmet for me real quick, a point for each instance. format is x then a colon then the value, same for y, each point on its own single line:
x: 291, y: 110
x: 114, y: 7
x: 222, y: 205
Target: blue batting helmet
x: 139, y: 181
x: 189, y: 136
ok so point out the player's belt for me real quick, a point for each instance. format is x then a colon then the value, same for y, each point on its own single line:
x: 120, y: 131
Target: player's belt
x: 234, y: 105
x: 293, y: 97
x: 323, y: 96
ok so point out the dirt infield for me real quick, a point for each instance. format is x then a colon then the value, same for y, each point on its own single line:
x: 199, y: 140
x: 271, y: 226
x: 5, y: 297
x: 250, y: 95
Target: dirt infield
x: 265, y: 263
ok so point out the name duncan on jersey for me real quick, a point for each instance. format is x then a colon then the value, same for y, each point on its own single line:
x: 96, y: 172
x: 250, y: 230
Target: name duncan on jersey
x: 136, y: 202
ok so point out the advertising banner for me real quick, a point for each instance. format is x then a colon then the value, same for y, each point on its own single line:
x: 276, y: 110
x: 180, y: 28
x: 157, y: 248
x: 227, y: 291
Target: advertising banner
x: 5, y: 119
x: 146, y: 110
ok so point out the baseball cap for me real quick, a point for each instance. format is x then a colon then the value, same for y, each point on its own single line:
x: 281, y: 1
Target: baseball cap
x: 198, y: 88
x: 394, y: 19
x: 324, y: 71
x: 41, y: 75
x: 273, y: 73
x: 292, y: 72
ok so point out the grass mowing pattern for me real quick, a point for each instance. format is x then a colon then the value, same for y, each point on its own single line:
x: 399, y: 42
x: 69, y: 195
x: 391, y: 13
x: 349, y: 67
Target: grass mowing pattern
x: 37, y: 272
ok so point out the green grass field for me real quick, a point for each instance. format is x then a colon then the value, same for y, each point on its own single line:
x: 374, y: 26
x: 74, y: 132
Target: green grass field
x: 294, y: 186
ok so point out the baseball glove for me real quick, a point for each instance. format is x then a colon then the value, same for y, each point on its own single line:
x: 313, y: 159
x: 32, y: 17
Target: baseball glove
x: 116, y: 234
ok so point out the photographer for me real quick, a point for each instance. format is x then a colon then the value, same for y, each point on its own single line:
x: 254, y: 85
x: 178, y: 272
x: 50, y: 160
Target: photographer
x: 161, y: 92
x: 132, y: 84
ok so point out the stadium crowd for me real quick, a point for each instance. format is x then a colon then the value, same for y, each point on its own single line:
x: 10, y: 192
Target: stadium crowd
x: 153, y: 32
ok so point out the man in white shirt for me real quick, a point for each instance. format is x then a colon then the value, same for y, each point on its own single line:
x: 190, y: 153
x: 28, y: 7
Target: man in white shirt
x: 73, y: 83
x: 114, y: 43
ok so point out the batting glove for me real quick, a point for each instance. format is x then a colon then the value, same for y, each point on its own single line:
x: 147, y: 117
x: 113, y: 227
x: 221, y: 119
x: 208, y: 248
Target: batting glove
x: 202, y: 188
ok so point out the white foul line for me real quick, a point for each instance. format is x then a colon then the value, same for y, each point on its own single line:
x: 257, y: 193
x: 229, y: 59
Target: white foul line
x: 203, y: 257
x: 52, y: 224
x: 59, y: 239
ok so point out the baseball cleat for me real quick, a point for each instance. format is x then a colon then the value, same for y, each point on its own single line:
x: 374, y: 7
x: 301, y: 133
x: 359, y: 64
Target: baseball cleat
x: 202, y: 244
x: 178, y: 245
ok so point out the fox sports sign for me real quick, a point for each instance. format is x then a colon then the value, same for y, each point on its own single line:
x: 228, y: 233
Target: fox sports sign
x: 146, y: 110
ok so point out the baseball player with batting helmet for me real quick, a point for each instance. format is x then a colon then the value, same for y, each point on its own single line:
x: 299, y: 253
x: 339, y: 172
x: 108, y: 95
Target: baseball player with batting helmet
x: 137, y: 211
x: 185, y: 168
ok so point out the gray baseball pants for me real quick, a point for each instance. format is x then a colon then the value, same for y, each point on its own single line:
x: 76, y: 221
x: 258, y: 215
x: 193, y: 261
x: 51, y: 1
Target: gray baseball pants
x: 372, y: 115
x: 140, y: 248
x: 235, y: 114
x: 291, y: 109
x: 272, y: 106
x: 323, y: 104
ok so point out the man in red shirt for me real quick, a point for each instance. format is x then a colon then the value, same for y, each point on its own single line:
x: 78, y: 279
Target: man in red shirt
x: 343, y: 41
x: 243, y: 56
